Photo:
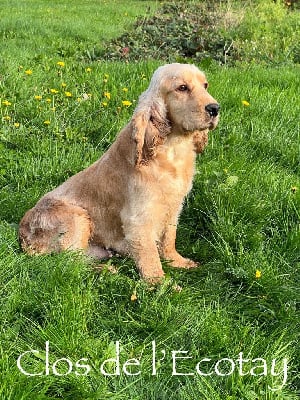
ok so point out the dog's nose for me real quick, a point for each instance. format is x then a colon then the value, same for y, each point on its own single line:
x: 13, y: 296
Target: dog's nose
x: 212, y: 109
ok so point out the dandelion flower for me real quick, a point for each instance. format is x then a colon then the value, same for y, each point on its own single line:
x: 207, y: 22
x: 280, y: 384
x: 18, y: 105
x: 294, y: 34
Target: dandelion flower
x: 28, y: 72
x: 53, y: 91
x: 6, y: 103
x: 63, y: 85
x: 257, y: 274
x: 126, y: 103
x: 125, y: 89
x: 88, y: 69
x: 47, y: 122
x: 38, y: 97
x: 107, y: 95
x: 245, y: 103
x: 48, y: 100
x: 61, y: 63
x: 133, y: 297
x: 68, y: 94
x: 6, y: 118
x: 16, y: 124
x: 104, y: 103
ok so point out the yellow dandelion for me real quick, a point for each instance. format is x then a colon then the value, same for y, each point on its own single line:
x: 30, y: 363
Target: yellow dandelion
x: 37, y: 97
x: 6, y: 118
x: 104, y: 103
x: 53, y: 91
x: 60, y: 63
x: 126, y: 103
x: 16, y: 124
x: 245, y: 103
x: 79, y: 99
x: 258, y: 274
x: 88, y: 69
x: 6, y: 103
x: 47, y: 122
x: 125, y: 89
x: 107, y: 95
x: 28, y: 72
x: 63, y: 85
x: 48, y: 100
x: 68, y: 94
x: 133, y: 297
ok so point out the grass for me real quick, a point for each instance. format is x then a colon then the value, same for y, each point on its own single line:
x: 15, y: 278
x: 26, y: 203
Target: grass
x: 37, y: 30
x: 240, y: 220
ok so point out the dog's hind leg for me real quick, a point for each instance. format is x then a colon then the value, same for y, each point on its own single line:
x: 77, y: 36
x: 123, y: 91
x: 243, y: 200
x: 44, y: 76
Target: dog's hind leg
x: 55, y: 225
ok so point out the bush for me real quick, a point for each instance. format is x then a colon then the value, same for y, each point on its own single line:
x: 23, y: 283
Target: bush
x: 178, y: 30
x: 262, y: 31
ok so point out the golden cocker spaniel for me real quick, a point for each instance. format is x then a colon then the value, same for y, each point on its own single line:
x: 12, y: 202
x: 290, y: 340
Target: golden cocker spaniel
x: 130, y: 199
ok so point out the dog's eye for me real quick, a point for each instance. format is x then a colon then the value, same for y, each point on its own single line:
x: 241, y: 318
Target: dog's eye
x: 182, y: 88
x: 205, y: 85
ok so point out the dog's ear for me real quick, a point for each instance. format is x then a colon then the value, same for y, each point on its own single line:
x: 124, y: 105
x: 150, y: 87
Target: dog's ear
x: 150, y: 128
x: 200, y: 139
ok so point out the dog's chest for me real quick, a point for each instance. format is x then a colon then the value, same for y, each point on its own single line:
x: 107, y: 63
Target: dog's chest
x: 176, y: 166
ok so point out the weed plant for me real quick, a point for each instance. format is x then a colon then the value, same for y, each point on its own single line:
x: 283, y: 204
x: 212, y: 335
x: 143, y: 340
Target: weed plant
x: 261, y: 31
x: 59, y: 113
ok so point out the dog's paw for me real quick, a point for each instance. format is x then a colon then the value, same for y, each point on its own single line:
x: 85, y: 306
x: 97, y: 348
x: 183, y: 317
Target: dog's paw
x: 184, y: 263
x: 189, y: 264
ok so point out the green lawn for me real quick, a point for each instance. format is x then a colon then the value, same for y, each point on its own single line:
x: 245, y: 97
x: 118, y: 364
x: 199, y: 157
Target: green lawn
x: 241, y: 221
x: 35, y: 30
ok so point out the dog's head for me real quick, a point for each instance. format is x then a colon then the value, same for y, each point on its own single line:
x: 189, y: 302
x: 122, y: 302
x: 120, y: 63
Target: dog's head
x: 176, y: 101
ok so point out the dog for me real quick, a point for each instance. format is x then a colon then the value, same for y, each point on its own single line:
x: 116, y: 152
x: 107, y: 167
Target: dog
x: 130, y: 199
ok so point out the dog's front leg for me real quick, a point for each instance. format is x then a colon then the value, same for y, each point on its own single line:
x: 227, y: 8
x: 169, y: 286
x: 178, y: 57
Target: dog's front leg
x: 169, y: 252
x: 145, y: 254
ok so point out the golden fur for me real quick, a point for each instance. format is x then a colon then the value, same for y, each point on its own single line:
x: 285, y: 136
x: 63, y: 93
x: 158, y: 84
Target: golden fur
x: 130, y: 199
